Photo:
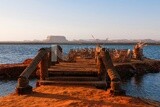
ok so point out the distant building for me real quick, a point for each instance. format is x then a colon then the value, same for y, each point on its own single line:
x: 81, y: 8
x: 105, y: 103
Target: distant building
x: 56, y: 39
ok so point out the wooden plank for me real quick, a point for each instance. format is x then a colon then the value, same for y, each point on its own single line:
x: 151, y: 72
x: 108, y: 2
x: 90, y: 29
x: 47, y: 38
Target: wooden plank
x: 73, y: 73
x: 72, y: 69
x: 79, y: 65
x: 73, y: 78
x: 91, y: 83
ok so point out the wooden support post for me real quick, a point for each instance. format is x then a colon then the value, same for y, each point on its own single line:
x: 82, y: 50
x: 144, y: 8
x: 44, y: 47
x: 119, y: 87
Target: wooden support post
x: 113, y: 74
x: 23, y: 86
x: 101, y: 69
x: 101, y: 73
x: 108, y: 64
x: 23, y: 82
x: 56, y: 54
x: 59, y: 52
x: 44, y: 67
x: 49, y: 59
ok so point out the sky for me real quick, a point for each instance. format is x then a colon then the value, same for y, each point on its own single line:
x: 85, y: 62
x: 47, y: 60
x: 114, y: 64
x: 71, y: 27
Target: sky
x: 79, y: 19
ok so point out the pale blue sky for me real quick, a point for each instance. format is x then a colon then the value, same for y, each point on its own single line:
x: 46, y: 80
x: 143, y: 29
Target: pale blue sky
x: 79, y: 19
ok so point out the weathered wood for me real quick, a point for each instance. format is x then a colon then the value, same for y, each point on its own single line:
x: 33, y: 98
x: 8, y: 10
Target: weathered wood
x: 83, y: 72
x: 83, y: 65
x: 116, y: 85
x: 72, y: 73
x: 107, y: 62
x: 23, y: 82
x: 73, y: 78
x: 101, y: 69
x: 23, y: 86
x: 44, y: 67
x: 138, y: 51
x: 24, y: 90
x: 27, y: 72
x: 92, y: 83
x: 112, y: 73
x: 49, y: 59
x: 59, y: 53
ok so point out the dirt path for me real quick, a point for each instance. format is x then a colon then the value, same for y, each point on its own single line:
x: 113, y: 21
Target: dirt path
x: 70, y: 96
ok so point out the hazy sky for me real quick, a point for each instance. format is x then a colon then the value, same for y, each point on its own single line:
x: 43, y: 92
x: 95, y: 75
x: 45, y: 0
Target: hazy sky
x: 79, y: 19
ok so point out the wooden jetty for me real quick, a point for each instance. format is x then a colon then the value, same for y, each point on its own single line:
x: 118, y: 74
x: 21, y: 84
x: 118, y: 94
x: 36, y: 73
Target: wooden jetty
x: 85, y: 71
x: 92, y: 67
x: 82, y: 72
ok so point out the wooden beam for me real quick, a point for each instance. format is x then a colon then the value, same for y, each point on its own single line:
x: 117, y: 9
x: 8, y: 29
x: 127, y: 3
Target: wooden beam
x: 27, y: 72
x: 72, y: 73
x: 107, y: 62
x: 44, y: 67
x: 73, y: 78
x: 23, y: 82
x: 92, y: 83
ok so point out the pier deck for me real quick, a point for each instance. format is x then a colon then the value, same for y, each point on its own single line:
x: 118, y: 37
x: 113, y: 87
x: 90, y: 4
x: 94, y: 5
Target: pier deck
x: 83, y: 65
x: 82, y: 72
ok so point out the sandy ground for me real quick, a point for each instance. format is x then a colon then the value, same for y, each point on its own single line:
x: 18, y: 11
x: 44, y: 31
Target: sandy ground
x: 71, y: 96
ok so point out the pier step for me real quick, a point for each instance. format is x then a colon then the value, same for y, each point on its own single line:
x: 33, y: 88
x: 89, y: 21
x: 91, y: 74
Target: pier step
x: 91, y: 83
x: 73, y: 78
x: 72, y: 73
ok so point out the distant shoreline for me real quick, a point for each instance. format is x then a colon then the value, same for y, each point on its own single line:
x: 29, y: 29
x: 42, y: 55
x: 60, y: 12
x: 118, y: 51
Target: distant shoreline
x: 70, y: 43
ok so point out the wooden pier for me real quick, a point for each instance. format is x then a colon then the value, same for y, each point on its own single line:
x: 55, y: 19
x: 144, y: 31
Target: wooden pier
x: 82, y: 71
x: 95, y: 70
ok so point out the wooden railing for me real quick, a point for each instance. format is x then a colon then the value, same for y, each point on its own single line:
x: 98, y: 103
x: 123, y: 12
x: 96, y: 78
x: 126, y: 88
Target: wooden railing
x: 44, y: 59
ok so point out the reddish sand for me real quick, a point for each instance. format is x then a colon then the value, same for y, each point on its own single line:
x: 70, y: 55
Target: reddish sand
x: 71, y: 96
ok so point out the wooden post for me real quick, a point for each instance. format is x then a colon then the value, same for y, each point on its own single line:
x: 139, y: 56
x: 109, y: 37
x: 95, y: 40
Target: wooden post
x: 108, y: 64
x: 59, y: 52
x: 101, y: 69
x: 53, y: 54
x: 114, y: 76
x: 49, y: 59
x: 23, y: 82
x: 101, y: 73
x: 23, y: 86
x: 44, y: 67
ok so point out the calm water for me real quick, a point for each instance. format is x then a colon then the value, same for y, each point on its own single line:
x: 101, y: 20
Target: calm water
x: 147, y: 86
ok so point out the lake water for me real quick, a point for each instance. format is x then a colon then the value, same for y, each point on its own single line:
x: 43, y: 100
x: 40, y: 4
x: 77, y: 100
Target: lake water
x: 147, y: 86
